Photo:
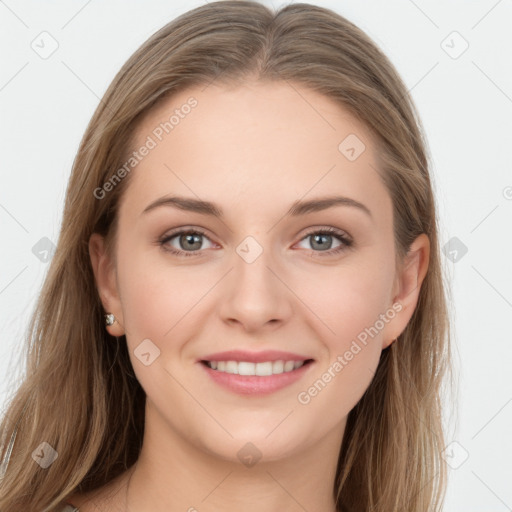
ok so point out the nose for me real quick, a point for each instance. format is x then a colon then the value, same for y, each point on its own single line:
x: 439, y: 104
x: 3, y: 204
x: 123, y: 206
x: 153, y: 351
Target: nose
x: 254, y: 293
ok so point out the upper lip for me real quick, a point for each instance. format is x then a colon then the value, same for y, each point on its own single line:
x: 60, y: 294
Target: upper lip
x: 254, y: 357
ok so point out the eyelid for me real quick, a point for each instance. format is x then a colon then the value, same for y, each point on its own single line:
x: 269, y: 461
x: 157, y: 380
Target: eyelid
x: 346, y: 240
x: 184, y: 230
x: 310, y: 231
x: 330, y: 230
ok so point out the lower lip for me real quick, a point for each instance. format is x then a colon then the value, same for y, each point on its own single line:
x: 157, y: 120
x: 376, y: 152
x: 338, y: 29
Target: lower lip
x: 256, y: 384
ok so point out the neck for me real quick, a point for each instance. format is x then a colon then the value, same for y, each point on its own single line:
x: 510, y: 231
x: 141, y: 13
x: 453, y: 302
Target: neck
x: 173, y: 474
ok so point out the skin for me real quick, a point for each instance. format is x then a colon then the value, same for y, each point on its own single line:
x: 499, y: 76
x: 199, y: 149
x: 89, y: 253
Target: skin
x: 253, y: 150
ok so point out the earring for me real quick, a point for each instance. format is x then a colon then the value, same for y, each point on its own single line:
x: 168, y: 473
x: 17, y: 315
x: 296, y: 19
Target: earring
x: 109, y: 319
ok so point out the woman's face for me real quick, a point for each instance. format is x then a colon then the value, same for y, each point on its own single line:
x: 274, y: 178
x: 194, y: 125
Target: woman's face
x: 246, y: 184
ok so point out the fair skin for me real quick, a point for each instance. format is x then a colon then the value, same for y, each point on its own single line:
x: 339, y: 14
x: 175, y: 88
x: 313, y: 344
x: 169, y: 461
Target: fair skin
x: 253, y: 150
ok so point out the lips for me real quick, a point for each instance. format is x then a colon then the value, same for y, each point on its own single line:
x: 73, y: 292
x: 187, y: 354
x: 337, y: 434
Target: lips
x: 254, y: 357
x: 256, y: 373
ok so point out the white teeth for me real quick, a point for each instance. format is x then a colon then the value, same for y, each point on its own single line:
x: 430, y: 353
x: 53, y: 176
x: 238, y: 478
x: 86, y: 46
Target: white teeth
x: 289, y: 366
x: 246, y: 368
x: 261, y: 369
x: 264, y: 369
x: 231, y: 367
x: 277, y: 367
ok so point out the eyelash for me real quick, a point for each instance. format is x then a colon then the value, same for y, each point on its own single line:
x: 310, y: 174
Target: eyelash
x: 346, y: 242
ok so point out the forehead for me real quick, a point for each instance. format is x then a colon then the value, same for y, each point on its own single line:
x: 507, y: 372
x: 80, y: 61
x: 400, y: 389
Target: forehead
x: 273, y: 140
x: 279, y: 114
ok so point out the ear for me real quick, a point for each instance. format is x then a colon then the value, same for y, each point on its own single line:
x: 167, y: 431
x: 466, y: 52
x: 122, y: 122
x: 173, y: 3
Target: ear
x: 407, y: 287
x: 106, y: 282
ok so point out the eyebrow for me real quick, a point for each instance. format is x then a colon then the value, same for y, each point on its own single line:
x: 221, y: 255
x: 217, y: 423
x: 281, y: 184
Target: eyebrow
x: 296, y: 209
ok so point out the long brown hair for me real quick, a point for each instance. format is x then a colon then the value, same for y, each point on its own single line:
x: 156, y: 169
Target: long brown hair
x: 80, y: 394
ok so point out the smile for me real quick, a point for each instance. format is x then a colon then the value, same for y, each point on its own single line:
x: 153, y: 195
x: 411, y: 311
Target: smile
x: 261, y: 369
x: 255, y: 378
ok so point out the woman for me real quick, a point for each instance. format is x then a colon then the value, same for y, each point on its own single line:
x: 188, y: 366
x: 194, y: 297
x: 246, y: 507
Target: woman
x: 246, y: 306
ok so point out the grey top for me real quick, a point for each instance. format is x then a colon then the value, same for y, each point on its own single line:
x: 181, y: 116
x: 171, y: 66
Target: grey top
x: 70, y: 508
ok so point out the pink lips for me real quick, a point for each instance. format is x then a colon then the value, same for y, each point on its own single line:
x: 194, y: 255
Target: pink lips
x: 254, y: 357
x: 255, y: 384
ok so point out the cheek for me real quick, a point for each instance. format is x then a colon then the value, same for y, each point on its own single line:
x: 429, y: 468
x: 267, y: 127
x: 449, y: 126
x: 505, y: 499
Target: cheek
x: 350, y: 304
x: 353, y: 305
x: 160, y: 303
x: 157, y: 296
x: 349, y: 300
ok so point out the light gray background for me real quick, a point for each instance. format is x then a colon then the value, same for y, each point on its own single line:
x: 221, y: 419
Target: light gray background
x: 466, y: 106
